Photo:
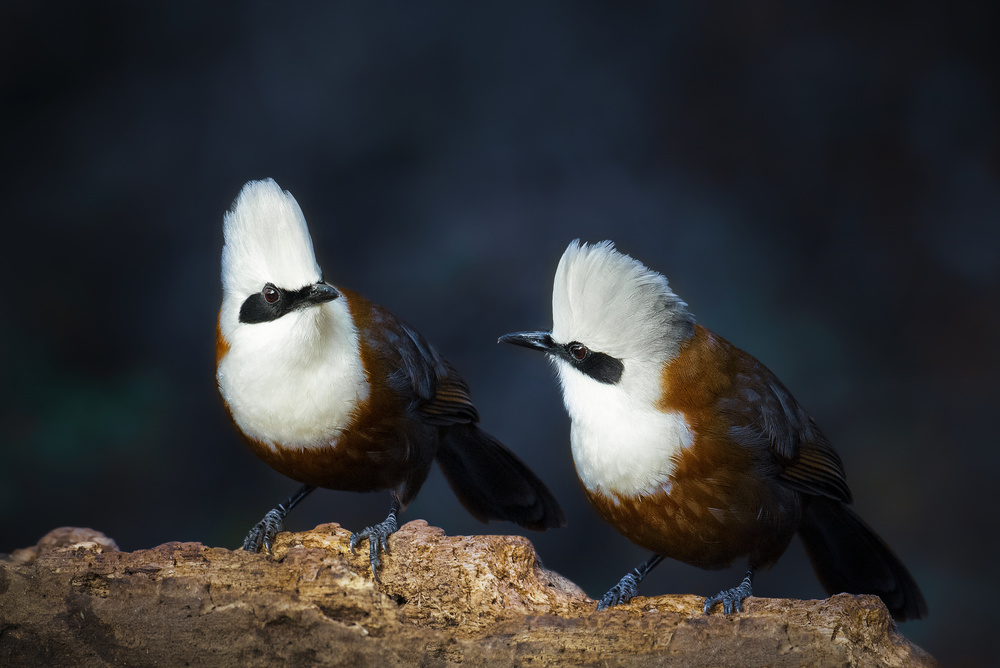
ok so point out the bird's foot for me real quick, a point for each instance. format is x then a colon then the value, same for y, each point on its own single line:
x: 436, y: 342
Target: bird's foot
x: 263, y: 533
x: 623, y: 592
x: 378, y: 541
x: 731, y: 599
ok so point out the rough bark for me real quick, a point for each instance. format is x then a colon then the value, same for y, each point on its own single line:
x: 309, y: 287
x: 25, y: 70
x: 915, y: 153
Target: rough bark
x: 75, y: 600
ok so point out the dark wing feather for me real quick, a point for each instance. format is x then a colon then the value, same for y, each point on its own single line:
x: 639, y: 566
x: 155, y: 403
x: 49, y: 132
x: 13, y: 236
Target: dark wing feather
x: 437, y: 394
x: 769, y: 413
x: 818, y: 470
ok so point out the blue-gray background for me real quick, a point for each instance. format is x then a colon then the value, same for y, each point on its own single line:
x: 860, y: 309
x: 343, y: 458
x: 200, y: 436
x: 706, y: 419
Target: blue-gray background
x: 819, y: 180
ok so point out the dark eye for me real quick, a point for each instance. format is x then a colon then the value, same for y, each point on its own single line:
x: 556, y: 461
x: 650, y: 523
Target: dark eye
x: 578, y: 351
x: 270, y: 293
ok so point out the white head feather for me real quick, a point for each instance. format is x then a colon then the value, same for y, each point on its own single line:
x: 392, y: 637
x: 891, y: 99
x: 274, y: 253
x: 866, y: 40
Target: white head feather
x: 266, y: 241
x: 614, y: 304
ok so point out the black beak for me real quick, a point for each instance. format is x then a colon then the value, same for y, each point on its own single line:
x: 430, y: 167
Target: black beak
x: 321, y: 292
x: 537, y: 340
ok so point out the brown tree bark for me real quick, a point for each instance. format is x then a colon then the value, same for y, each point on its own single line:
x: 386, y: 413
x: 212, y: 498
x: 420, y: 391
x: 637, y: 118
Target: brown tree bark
x: 75, y: 600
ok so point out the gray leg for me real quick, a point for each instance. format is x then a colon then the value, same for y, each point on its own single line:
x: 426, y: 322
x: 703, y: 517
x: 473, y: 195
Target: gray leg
x: 263, y: 533
x: 628, y: 586
x: 732, y: 599
x: 378, y: 537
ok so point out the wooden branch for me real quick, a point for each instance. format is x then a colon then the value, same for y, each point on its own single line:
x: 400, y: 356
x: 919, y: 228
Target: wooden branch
x: 74, y: 599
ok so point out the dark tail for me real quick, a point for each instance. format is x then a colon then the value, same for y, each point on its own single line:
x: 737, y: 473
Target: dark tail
x: 493, y: 483
x: 849, y: 557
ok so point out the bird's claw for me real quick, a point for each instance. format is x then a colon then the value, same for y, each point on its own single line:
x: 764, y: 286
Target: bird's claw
x: 731, y: 599
x: 378, y: 541
x: 263, y: 533
x: 623, y: 592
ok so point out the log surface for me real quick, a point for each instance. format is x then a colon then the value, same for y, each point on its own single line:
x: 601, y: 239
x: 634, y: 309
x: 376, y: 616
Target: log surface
x: 76, y: 600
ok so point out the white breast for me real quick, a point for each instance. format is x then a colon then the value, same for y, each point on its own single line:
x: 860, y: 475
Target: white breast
x: 620, y: 442
x: 295, y: 381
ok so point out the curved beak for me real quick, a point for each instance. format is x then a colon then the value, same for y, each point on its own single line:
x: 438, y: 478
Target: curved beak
x: 536, y: 340
x: 321, y: 292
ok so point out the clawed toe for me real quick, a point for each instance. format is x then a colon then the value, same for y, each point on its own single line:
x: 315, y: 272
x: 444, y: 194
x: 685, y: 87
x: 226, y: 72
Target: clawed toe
x: 264, y: 532
x: 628, y: 586
x: 732, y: 599
x: 623, y: 592
x: 378, y: 541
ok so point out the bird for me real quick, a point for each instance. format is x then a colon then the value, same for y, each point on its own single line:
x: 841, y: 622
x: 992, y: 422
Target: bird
x: 693, y: 449
x: 333, y: 391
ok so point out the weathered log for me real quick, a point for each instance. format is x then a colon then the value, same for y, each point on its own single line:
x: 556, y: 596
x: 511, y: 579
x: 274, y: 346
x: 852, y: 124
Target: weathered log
x: 75, y: 599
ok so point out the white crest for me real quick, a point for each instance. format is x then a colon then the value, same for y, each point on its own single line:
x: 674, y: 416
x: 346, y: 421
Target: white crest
x: 614, y: 304
x: 266, y: 241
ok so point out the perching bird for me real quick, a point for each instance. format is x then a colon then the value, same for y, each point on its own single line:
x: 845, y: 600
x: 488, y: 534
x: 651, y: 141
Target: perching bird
x: 333, y: 391
x: 693, y: 449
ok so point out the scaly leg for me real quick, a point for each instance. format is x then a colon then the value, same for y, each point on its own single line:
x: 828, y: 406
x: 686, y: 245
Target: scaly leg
x: 378, y: 537
x: 732, y: 599
x: 263, y: 533
x: 628, y: 586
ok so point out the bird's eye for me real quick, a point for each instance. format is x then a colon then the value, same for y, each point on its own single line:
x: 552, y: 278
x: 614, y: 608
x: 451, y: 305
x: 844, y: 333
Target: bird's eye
x: 270, y: 293
x: 578, y: 351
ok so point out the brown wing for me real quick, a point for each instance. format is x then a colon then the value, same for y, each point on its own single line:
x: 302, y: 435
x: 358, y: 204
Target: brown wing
x: 435, y: 392
x: 761, y: 409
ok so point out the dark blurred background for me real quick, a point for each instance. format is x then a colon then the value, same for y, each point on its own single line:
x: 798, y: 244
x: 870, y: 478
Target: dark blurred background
x: 819, y: 181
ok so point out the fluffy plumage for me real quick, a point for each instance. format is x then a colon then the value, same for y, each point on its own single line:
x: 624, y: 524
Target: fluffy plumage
x: 692, y: 448
x: 266, y: 241
x: 335, y: 391
x: 616, y: 305
x: 619, y: 447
